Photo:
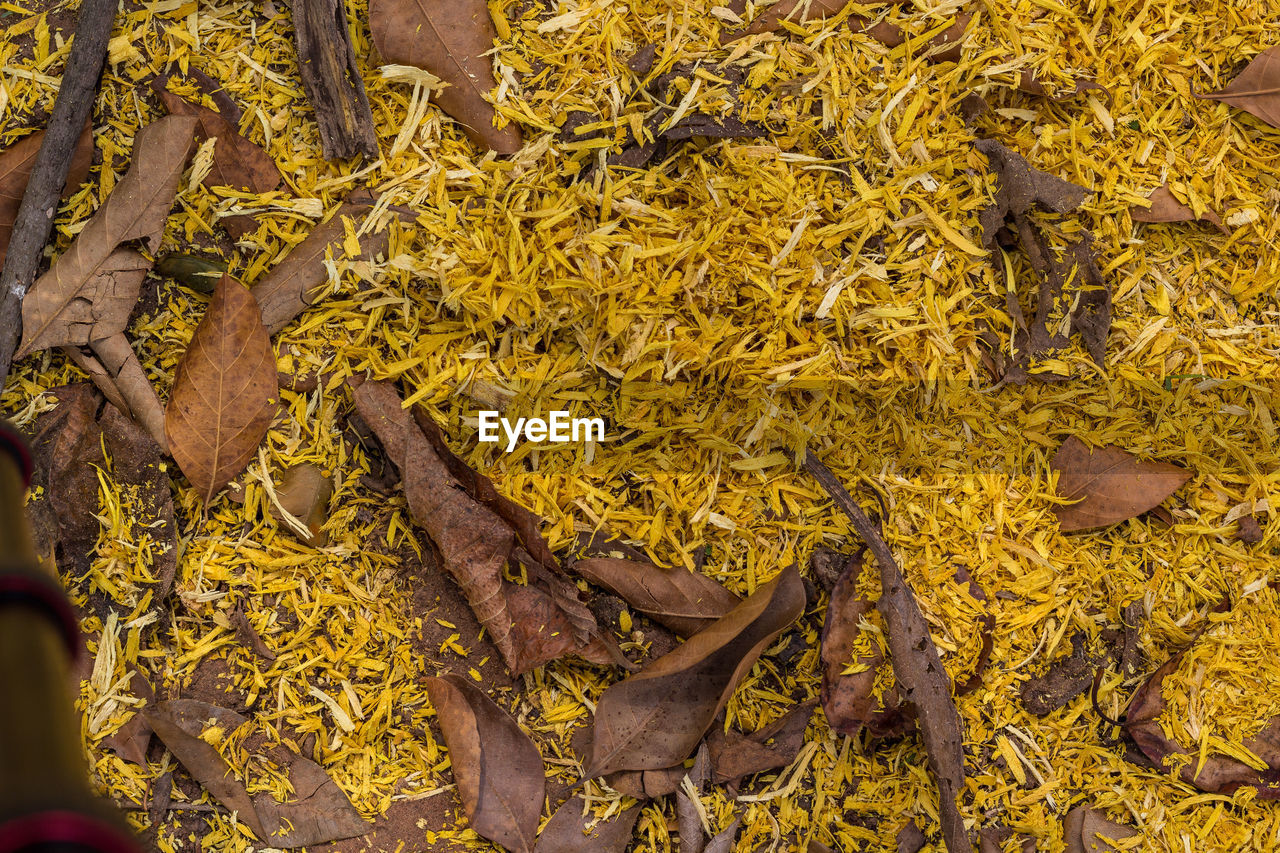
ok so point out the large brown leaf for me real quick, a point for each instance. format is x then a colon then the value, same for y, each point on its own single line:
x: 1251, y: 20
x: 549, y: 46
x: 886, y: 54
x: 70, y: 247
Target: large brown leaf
x: 16, y: 163
x: 1256, y: 90
x: 224, y: 392
x: 477, y: 532
x: 1109, y: 484
x: 686, y: 602
x: 655, y: 719
x: 92, y: 287
x: 298, y: 281
x: 451, y: 40
x: 499, y: 772
x: 318, y: 811
x: 567, y: 831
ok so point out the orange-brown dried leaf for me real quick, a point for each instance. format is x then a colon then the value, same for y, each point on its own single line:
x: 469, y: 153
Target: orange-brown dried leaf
x: 92, y: 287
x: 224, y: 391
x: 655, y: 719
x: 452, y: 41
x: 1109, y: 485
x: 237, y: 162
x: 684, y: 601
x: 1256, y: 89
x: 1165, y: 207
x: 498, y: 769
x: 299, y: 280
x: 1086, y: 830
x: 477, y: 532
x: 16, y: 163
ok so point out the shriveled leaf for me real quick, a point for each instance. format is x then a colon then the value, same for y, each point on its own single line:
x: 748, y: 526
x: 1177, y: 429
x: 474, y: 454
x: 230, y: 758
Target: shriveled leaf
x: 301, y: 278
x: 724, y: 840
x: 132, y: 739
x: 1087, y: 830
x: 799, y: 11
x: 916, y: 665
x: 477, y: 532
x: 1064, y: 680
x: 198, y: 273
x: 318, y: 811
x: 1256, y: 89
x: 848, y: 700
x: 1060, y: 313
x: 114, y: 367
x: 689, y: 823
x: 304, y: 493
x: 1029, y: 83
x: 16, y: 163
x: 452, y: 41
x: 1109, y: 485
x: 92, y: 287
x: 1166, y: 208
x: 910, y: 838
x: 498, y: 769
x: 568, y: 832
x: 735, y: 755
x: 656, y: 718
x: 224, y: 391
x: 684, y: 601
x: 237, y: 162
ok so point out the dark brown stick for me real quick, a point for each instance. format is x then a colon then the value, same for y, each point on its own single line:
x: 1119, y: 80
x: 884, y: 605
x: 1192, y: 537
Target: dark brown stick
x: 916, y: 665
x: 327, y: 62
x: 71, y: 110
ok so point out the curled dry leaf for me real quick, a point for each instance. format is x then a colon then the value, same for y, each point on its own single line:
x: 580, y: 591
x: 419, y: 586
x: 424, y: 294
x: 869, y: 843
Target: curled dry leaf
x: 655, y: 719
x: 1109, y: 485
x: 304, y: 493
x: 1064, y: 680
x: 572, y: 831
x: 1213, y: 772
x: 224, y: 391
x: 1006, y: 222
x: 477, y: 532
x: 114, y: 367
x: 1029, y: 83
x: 498, y: 769
x: 684, y: 601
x: 16, y: 163
x: 1086, y: 830
x: 318, y: 813
x: 919, y: 672
x: 1256, y: 90
x: 452, y: 41
x: 300, y: 279
x: 92, y: 287
x: 1166, y: 208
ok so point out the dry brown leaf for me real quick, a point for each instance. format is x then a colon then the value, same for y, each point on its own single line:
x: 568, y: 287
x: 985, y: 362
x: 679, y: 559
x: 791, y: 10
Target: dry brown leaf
x: 944, y: 47
x: 132, y: 739
x: 916, y: 666
x: 299, y: 280
x: 92, y: 287
x: 1086, y: 830
x: 224, y: 391
x: 318, y: 813
x: 684, y: 601
x: 1109, y: 484
x: 1029, y: 83
x: 735, y: 755
x: 452, y: 41
x: 477, y: 532
x: 1007, y: 222
x: 1256, y: 90
x: 16, y: 163
x: 237, y: 162
x: 1064, y: 680
x: 910, y: 838
x: 304, y: 493
x: 1166, y: 208
x: 498, y: 769
x: 724, y: 840
x: 655, y: 719
x: 114, y: 367
x: 567, y: 831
